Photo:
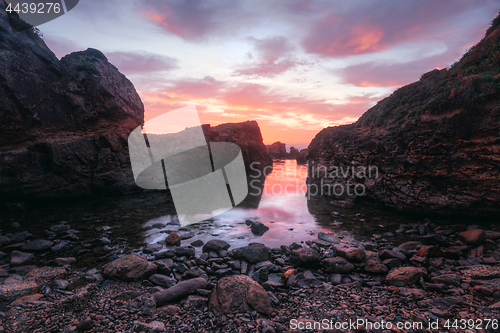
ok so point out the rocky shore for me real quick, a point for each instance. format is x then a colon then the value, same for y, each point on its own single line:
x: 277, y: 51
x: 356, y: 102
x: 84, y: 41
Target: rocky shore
x: 442, y: 273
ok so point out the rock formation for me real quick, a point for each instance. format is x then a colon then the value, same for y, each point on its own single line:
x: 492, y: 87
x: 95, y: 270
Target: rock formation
x: 436, y: 142
x: 277, y: 150
x: 247, y: 136
x: 64, y: 123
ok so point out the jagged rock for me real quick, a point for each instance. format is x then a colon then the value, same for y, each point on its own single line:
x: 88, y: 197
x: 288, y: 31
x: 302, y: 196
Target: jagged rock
x: 305, y: 257
x: 85, y: 325
x: 239, y: 293
x: 197, y: 302
x: 351, y: 253
x: 337, y: 265
x: 129, y: 268
x: 144, y: 305
x: 388, y: 254
x: 302, y: 156
x: 253, y: 253
x: 404, y: 276
x: 375, y: 266
x: 258, y: 228
x: 425, y: 139
x: 154, y: 326
x: 277, y: 150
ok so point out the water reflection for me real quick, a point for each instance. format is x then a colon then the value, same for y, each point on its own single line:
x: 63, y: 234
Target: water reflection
x: 283, y: 207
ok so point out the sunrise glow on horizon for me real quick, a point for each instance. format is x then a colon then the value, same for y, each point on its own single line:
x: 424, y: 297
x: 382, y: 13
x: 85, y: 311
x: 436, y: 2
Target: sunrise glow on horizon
x: 295, y: 67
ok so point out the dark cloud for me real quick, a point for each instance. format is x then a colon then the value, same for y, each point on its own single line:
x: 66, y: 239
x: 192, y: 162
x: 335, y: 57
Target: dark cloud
x: 271, y: 56
x: 141, y: 62
x: 372, y: 26
x: 193, y: 20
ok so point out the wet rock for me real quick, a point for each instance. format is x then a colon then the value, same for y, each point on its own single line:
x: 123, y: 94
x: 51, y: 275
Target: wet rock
x: 59, y: 228
x: 196, y: 302
x: 167, y: 310
x: 215, y: 245
x: 64, y: 261
x: 38, y: 245
x: 388, y: 254
x: 173, y: 239
x: 20, y: 237
x: 180, y: 290
x: 127, y: 295
x: 59, y: 284
x: 447, y: 279
x: 351, y: 253
x: 330, y: 238
x: 258, y: 228
x: 261, y: 275
x: 4, y: 240
x: 336, y: 265
x: 239, y: 293
x: 129, y: 268
x: 253, y: 253
x: 151, y: 248
x: 404, y: 276
x: 197, y: 243
x: 162, y: 280
x: 20, y: 258
x: 3, y: 272
x: 375, y: 266
x: 482, y: 291
x: 185, y: 251
x: 305, y: 280
x: 154, y: 326
x: 144, y: 305
x: 305, y: 257
x: 28, y: 298
x: 62, y: 245
x: 429, y: 251
x: 472, y: 237
x: 85, y: 325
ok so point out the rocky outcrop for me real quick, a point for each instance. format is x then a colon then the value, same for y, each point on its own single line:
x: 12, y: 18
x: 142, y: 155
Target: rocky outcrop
x: 64, y: 123
x: 434, y: 143
x: 277, y: 150
x: 247, y: 136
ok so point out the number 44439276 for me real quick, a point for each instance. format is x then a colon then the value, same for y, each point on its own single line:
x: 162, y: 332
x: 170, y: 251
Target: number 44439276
x: 40, y: 8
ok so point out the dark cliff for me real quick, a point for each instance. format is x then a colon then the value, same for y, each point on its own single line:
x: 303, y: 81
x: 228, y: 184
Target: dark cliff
x: 436, y: 142
x: 64, y: 123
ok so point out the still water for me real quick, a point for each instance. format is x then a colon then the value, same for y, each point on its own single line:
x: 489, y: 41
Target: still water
x: 285, y: 209
x: 133, y: 220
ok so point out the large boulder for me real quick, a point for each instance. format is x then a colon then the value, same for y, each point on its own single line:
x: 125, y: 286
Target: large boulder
x: 404, y: 276
x: 129, y: 268
x: 239, y: 293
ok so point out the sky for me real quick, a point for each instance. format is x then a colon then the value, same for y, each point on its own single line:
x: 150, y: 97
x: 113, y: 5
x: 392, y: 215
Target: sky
x: 294, y: 66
